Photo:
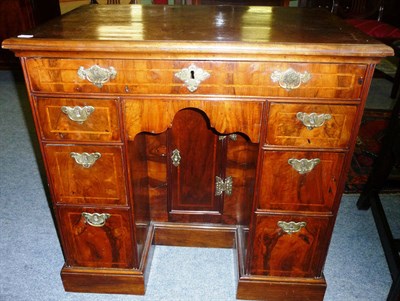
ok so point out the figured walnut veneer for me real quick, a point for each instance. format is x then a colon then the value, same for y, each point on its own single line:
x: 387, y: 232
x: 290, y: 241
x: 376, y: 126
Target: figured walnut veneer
x: 101, y: 125
x: 284, y: 128
x: 228, y: 78
x: 264, y: 141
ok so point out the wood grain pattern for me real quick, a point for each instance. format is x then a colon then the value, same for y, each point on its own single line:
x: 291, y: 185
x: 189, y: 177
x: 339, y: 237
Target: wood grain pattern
x: 226, y: 78
x: 139, y: 184
x: 102, y: 125
x: 241, y: 48
x: 242, y: 32
x: 241, y: 160
x: 194, y: 235
x: 278, y: 290
x: 110, y: 280
x: 156, y: 116
x: 287, y: 130
x: 261, y: 287
x: 94, y: 282
x: 103, y: 183
x: 283, y: 188
x: 276, y: 253
x: 139, y: 178
x: 192, y: 182
x: 241, y: 164
x: 156, y: 155
x: 109, y: 246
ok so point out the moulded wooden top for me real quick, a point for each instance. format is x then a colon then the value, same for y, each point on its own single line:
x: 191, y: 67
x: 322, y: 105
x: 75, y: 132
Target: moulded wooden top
x: 200, y: 29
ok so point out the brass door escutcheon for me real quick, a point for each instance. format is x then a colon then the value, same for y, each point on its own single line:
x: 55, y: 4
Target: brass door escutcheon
x: 97, y: 75
x: 303, y: 166
x: 291, y: 227
x: 176, y: 157
x: 96, y: 219
x: 77, y: 113
x: 192, y: 76
x: 290, y: 79
x: 313, y: 120
x: 85, y: 159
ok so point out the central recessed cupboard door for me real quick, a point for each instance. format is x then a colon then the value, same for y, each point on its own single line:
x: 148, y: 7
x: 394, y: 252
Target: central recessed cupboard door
x: 196, y: 158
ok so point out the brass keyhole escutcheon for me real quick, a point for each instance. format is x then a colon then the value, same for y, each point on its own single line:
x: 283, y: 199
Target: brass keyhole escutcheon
x: 192, y: 77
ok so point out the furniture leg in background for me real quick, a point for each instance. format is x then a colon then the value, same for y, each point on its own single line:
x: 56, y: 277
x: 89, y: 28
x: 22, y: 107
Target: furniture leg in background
x: 396, y: 80
x: 369, y: 198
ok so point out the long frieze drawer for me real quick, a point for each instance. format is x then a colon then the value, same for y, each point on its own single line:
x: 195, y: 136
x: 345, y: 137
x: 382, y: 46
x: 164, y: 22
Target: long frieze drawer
x: 86, y: 174
x: 289, y: 246
x: 301, y: 181
x: 96, y: 237
x: 274, y: 79
x: 67, y: 119
x: 310, y: 125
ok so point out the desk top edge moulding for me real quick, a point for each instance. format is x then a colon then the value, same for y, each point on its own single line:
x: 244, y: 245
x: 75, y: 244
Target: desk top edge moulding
x: 203, y: 126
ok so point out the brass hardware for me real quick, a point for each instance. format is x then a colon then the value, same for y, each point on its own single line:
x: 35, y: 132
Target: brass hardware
x: 233, y: 137
x: 78, y: 114
x: 223, y: 186
x: 303, y: 166
x: 85, y: 159
x: 192, y: 77
x: 176, y: 157
x: 313, y: 120
x: 290, y: 79
x: 97, y: 75
x: 291, y: 227
x: 96, y: 219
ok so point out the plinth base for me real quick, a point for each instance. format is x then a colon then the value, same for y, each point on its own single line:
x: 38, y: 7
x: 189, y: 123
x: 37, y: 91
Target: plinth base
x: 250, y: 287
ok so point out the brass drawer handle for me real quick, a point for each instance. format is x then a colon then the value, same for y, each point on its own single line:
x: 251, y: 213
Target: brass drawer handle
x: 223, y: 185
x: 78, y: 114
x: 291, y: 227
x: 313, y: 120
x: 97, y: 75
x: 303, y: 166
x: 176, y: 157
x: 96, y: 219
x: 192, y: 76
x: 85, y: 159
x: 290, y: 79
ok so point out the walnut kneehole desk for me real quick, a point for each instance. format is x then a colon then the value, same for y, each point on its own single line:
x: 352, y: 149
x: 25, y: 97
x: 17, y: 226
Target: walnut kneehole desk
x: 206, y: 126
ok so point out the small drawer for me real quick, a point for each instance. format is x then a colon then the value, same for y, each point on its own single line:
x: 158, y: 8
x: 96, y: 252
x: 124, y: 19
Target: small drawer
x: 299, y: 181
x: 272, y: 79
x: 68, y: 119
x: 289, y: 246
x: 100, y: 238
x: 86, y: 174
x: 310, y: 125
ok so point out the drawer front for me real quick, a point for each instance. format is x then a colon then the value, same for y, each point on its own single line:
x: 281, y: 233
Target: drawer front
x: 97, y: 238
x: 289, y: 246
x: 310, y: 125
x: 67, y: 119
x: 308, y: 183
x: 280, y: 79
x: 98, y: 178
